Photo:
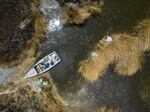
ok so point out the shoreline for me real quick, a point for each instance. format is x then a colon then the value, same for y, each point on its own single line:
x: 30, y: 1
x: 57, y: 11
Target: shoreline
x: 30, y: 46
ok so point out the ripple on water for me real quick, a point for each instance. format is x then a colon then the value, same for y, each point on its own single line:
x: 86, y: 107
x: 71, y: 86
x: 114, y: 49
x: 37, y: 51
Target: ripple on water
x: 53, y: 12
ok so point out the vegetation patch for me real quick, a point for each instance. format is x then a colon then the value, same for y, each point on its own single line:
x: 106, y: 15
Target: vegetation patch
x: 21, y: 100
x: 145, y: 89
x: 24, y: 97
x: 125, y: 51
x: 108, y: 109
x: 22, y: 28
x: 77, y: 11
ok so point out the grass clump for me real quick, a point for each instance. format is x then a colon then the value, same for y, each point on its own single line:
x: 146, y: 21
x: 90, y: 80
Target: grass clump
x: 121, y: 52
x: 79, y: 11
x: 108, y: 109
x: 125, y: 52
x: 75, y: 15
x: 50, y: 96
x: 143, y: 32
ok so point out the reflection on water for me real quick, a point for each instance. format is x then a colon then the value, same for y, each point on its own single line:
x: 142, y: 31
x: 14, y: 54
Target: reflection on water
x: 52, y: 10
x: 54, y: 24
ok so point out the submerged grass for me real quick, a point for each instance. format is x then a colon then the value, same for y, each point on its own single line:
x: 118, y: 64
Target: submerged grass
x: 125, y: 52
x: 108, y: 109
x: 145, y: 89
x: 143, y: 31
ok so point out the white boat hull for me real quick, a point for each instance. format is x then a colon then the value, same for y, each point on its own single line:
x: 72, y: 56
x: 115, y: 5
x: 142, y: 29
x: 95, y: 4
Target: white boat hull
x: 44, y: 65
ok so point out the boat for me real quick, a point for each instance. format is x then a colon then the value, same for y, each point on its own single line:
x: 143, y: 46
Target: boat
x: 44, y: 65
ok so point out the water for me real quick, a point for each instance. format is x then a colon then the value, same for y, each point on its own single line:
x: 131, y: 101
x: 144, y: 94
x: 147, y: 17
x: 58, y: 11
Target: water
x: 73, y: 43
x: 5, y: 74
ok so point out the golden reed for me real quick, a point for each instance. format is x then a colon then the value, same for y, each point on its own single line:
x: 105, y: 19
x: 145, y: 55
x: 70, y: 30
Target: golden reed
x: 125, y: 52
x: 108, y: 109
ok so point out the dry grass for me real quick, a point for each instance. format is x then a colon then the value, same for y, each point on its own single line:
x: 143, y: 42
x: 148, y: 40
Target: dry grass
x: 125, y: 52
x: 143, y: 31
x: 77, y: 15
x: 94, y: 8
x: 31, y: 52
x: 107, y: 109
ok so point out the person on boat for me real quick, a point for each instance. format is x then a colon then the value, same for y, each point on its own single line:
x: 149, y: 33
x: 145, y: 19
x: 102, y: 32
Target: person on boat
x: 52, y: 59
x: 45, y: 64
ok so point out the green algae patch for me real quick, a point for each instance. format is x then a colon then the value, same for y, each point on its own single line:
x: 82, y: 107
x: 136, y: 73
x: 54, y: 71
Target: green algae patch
x: 22, y: 29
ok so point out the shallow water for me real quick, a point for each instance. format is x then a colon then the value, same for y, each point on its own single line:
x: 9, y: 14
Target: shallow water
x: 5, y: 74
x: 73, y: 43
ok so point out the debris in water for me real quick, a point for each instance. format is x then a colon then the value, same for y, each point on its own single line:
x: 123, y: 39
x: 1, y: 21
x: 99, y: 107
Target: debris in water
x: 109, y: 39
x: 94, y: 54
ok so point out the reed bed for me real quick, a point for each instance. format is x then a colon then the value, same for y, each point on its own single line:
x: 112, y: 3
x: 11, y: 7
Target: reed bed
x: 79, y: 13
x: 75, y: 15
x: 125, y: 52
